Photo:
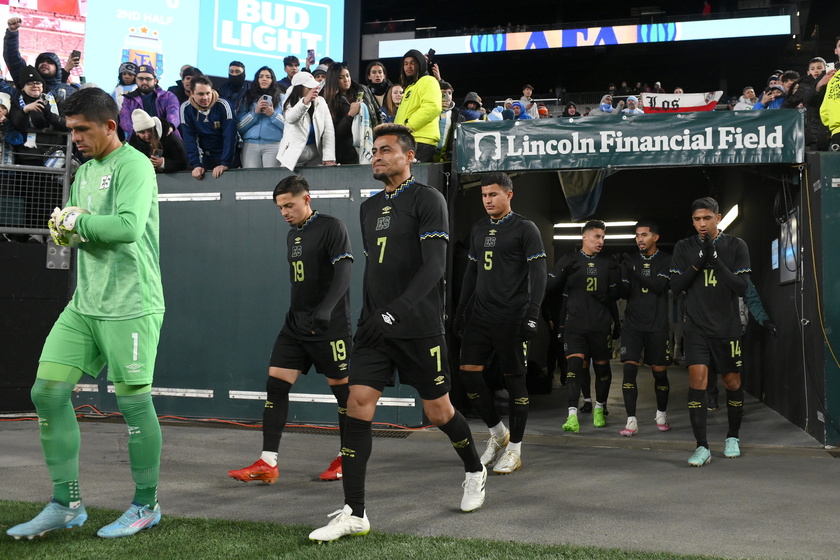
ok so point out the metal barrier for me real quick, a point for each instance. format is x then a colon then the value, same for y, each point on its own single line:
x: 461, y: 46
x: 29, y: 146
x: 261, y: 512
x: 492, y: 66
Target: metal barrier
x: 28, y: 193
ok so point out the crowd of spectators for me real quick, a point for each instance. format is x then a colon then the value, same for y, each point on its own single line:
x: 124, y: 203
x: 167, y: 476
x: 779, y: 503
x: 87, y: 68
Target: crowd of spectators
x: 318, y: 114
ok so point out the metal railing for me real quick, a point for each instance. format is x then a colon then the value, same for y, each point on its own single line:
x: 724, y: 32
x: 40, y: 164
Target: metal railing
x: 30, y: 191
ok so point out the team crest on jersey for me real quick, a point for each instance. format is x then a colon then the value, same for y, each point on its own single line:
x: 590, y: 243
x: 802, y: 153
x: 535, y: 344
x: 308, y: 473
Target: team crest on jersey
x: 105, y: 182
x: 383, y: 222
x: 646, y: 270
x: 489, y: 241
x: 591, y: 270
x: 297, y: 251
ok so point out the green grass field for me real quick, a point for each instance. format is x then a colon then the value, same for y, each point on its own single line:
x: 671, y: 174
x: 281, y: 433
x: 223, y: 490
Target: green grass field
x: 182, y: 538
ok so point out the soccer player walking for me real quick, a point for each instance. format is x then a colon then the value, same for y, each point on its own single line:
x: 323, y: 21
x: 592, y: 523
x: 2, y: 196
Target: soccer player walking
x: 317, y: 327
x: 113, y: 319
x: 713, y: 269
x: 502, y: 290
x: 589, y: 281
x: 405, y: 232
x: 644, y: 284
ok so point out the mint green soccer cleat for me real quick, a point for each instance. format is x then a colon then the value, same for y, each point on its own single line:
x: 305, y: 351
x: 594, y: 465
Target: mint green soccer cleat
x: 135, y: 519
x: 700, y: 457
x: 598, y: 419
x: 731, y: 448
x: 572, y: 424
x: 53, y: 516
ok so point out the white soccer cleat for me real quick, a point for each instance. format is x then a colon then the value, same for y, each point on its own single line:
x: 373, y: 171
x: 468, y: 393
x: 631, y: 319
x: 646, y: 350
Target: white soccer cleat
x: 631, y: 428
x: 662, y: 421
x: 343, y: 524
x: 474, y: 490
x: 495, y: 447
x: 509, y: 462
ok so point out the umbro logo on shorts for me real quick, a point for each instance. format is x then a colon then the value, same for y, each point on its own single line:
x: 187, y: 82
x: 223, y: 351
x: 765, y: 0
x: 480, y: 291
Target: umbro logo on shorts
x: 439, y: 380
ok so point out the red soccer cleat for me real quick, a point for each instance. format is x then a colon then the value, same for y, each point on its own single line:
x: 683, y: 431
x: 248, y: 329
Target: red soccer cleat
x: 260, y: 470
x: 333, y: 472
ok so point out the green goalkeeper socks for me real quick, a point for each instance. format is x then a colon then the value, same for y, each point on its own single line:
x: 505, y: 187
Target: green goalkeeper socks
x: 144, y: 443
x: 60, y: 437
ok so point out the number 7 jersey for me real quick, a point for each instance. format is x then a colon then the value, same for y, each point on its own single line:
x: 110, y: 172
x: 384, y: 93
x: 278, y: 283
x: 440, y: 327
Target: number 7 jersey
x: 394, y: 227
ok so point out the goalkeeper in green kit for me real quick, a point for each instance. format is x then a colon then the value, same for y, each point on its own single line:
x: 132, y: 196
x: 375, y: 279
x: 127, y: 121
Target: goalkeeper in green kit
x: 113, y: 319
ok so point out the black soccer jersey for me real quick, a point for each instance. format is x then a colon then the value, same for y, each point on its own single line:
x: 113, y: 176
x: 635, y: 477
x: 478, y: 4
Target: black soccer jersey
x: 711, y: 308
x: 502, y: 250
x: 313, y: 249
x: 393, y: 228
x: 588, y: 291
x: 647, y: 308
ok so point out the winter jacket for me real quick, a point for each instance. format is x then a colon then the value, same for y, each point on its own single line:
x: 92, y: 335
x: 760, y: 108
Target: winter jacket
x: 15, y: 63
x: 174, y: 157
x: 830, y: 108
x: 209, y: 139
x: 259, y: 128
x: 421, y: 104
x: 296, y: 132
x: 165, y: 102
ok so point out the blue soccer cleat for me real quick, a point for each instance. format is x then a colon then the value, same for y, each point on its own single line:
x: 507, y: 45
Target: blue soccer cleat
x: 135, y: 519
x: 53, y: 516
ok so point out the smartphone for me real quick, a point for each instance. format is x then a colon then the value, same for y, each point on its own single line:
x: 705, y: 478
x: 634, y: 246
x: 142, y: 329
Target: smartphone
x: 829, y: 66
x: 310, y: 54
x: 430, y: 56
x: 267, y: 99
x: 158, y: 153
x: 360, y: 96
x: 76, y: 54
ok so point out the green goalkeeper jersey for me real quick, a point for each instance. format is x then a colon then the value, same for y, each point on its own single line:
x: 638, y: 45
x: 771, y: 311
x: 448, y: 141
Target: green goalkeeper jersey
x: 118, y: 272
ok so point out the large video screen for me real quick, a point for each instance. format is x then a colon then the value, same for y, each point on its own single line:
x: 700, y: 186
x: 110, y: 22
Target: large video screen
x: 208, y: 34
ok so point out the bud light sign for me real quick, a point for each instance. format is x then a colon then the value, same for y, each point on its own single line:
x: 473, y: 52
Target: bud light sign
x: 275, y: 29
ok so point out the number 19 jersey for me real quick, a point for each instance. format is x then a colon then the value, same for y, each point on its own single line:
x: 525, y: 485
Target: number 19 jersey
x: 313, y: 249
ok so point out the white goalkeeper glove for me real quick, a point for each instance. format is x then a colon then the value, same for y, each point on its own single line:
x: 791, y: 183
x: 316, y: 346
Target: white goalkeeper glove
x: 62, y: 225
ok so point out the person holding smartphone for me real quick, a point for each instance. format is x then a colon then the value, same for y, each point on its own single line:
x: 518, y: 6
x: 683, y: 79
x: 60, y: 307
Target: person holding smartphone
x: 154, y: 139
x: 260, y: 122
x: 345, y: 98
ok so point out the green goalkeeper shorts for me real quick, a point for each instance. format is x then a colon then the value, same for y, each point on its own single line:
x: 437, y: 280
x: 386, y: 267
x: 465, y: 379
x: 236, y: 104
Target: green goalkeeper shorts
x: 127, y: 347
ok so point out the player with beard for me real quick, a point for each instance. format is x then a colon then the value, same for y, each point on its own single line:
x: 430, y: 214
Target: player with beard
x: 644, y: 284
x: 405, y: 234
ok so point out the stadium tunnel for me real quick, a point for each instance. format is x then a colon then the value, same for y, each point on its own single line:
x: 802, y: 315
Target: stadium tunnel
x: 225, y: 279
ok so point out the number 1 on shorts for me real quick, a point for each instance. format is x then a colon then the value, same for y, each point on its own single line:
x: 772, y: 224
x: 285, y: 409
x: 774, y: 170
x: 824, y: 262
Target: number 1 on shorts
x: 136, y: 337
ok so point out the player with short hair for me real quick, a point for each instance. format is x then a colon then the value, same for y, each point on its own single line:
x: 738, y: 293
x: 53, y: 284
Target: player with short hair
x: 644, y: 284
x: 589, y: 281
x: 405, y: 232
x: 113, y: 319
x: 502, y: 290
x: 713, y: 270
x: 317, y: 327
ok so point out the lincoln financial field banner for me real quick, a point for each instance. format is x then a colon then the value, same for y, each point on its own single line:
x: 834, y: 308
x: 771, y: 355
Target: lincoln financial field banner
x: 703, y: 138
